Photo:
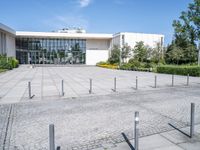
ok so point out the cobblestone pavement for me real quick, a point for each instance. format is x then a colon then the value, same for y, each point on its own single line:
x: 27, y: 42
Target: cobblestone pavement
x: 95, y: 122
x: 89, y: 121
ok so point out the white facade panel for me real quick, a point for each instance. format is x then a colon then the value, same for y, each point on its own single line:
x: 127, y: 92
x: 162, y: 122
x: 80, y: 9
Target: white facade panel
x: 7, y: 41
x: 132, y: 38
x: 98, y: 44
x: 149, y: 39
x: 95, y: 56
x: 97, y: 50
x: 10, y: 46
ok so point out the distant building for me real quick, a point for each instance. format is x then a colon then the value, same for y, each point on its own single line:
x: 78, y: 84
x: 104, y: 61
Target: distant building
x: 67, y: 46
x: 71, y: 30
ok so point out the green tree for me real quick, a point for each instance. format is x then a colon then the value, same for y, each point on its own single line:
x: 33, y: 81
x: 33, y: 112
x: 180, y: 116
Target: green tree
x: 126, y: 52
x: 187, y: 32
x: 115, y: 55
x: 140, y: 51
x: 174, y: 54
x: 189, y: 22
x: 157, y: 53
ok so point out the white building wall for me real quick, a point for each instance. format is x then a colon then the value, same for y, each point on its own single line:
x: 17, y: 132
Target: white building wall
x: 97, y: 50
x: 7, y: 41
x: 149, y: 39
x: 94, y: 56
x: 10, y: 46
x: 132, y: 38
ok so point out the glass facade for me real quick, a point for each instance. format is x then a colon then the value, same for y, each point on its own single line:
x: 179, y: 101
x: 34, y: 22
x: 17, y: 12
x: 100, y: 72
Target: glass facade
x: 50, y: 51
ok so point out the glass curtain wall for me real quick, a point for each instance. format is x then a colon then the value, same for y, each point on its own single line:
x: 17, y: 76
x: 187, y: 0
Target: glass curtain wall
x: 50, y: 51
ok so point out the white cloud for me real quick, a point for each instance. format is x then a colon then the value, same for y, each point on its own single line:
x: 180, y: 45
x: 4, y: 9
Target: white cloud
x: 84, y: 3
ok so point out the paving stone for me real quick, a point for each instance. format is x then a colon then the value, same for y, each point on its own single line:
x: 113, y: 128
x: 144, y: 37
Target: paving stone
x: 93, y: 121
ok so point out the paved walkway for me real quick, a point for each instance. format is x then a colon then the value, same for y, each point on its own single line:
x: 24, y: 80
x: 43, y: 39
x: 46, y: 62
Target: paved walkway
x: 171, y: 140
x: 46, y: 82
x: 86, y: 121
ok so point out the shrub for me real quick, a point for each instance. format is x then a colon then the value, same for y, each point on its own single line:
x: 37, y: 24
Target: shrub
x: 5, y: 65
x: 134, y: 63
x: 126, y: 66
x: 129, y: 66
x: 179, y: 70
x: 14, y: 62
x: 8, y: 63
x: 102, y: 63
x: 109, y: 66
x: 3, y: 70
x: 149, y: 65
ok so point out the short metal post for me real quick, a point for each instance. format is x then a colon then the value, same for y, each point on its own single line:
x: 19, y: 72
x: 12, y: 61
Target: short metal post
x: 29, y: 89
x: 51, y: 137
x: 192, y: 122
x: 62, y: 86
x: 188, y: 79
x: 90, y: 91
x: 136, y: 83
x: 136, y: 130
x: 155, y: 82
x: 172, y: 80
x: 115, y: 85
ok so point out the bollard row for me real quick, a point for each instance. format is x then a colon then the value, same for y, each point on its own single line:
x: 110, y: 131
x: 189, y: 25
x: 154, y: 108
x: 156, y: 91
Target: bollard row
x: 114, y: 85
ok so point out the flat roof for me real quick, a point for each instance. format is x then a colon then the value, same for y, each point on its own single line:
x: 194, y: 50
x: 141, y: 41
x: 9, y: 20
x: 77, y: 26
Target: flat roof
x: 7, y: 29
x: 135, y: 33
x: 63, y: 35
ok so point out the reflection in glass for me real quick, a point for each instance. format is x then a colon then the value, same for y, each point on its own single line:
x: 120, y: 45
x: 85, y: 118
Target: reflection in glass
x: 50, y: 51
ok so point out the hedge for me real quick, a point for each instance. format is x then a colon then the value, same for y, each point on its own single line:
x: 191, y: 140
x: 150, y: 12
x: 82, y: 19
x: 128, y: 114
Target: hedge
x: 141, y: 67
x: 179, y: 70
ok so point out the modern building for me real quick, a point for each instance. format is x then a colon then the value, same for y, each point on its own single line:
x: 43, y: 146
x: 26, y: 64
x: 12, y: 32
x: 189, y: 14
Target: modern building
x: 67, y: 46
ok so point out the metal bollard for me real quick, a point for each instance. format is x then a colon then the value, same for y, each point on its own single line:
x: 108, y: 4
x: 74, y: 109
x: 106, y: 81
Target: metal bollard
x: 192, y: 122
x: 188, y: 79
x: 58, y: 148
x: 51, y: 137
x: 155, y: 82
x: 29, y: 89
x: 136, y: 130
x: 172, y: 80
x: 115, y: 84
x: 62, y: 86
x: 90, y: 90
x: 136, y: 83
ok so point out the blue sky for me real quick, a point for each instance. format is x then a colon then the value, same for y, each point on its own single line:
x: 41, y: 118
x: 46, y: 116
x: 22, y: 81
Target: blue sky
x: 98, y: 16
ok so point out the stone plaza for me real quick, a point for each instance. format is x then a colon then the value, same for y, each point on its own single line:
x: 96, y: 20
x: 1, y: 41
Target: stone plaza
x: 95, y: 120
